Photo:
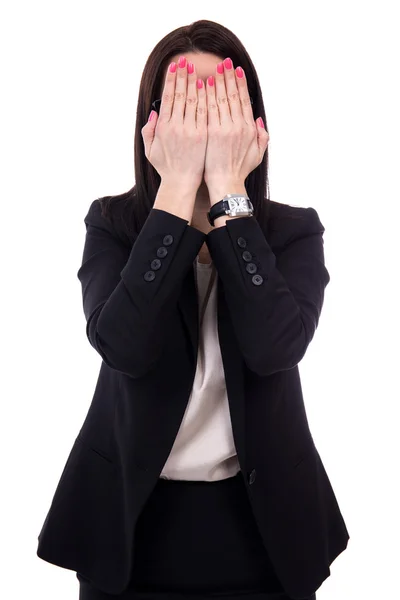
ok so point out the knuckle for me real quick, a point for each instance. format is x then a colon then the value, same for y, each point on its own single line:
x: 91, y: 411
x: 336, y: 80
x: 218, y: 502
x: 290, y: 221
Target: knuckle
x: 179, y: 96
x: 234, y: 97
x: 167, y: 98
x: 191, y: 100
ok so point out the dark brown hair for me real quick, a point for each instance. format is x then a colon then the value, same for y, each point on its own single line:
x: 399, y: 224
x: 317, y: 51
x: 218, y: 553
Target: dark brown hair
x: 205, y: 36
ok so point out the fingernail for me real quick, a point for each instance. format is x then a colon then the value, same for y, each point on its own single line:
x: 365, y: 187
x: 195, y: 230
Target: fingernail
x: 239, y: 72
x: 190, y: 68
x: 261, y: 122
x: 172, y: 67
x: 220, y: 67
x: 199, y: 84
x: 151, y: 115
x: 228, y: 63
x: 210, y: 80
x: 182, y: 62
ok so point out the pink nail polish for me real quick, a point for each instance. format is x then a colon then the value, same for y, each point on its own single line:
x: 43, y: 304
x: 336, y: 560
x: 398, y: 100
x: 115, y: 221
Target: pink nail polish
x: 182, y: 62
x: 199, y: 84
x: 239, y: 72
x: 228, y: 63
x: 210, y: 80
x: 220, y: 67
x: 190, y: 68
x: 172, y: 67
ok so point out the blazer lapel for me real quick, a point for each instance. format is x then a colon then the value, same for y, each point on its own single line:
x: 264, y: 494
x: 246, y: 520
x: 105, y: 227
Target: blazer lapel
x: 188, y: 305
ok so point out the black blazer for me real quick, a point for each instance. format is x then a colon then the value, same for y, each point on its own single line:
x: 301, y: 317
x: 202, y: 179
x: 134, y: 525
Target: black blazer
x: 140, y: 304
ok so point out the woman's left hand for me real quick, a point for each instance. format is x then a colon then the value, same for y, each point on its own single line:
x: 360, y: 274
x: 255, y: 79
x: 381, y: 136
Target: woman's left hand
x: 236, y: 143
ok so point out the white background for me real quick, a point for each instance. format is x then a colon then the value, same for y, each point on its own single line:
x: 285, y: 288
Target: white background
x: 329, y: 73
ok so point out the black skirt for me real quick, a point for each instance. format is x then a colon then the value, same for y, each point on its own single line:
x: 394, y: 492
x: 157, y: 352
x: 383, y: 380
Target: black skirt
x: 197, y: 538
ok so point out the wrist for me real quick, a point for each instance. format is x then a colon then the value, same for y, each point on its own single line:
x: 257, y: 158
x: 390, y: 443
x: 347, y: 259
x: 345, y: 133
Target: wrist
x: 176, y: 198
x: 180, y: 186
x: 217, y: 191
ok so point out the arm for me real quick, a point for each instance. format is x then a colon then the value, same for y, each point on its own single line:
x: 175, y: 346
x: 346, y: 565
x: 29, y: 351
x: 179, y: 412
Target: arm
x: 125, y: 311
x: 275, y: 321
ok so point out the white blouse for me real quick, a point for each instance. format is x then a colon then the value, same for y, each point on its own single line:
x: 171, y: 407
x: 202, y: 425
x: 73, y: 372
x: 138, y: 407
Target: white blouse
x: 204, y: 448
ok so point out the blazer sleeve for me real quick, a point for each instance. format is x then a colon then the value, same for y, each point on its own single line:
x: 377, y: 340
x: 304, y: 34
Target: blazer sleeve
x: 275, y: 320
x: 126, y: 296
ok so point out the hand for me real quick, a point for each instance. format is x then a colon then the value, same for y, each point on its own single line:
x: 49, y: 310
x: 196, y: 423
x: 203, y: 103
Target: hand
x: 236, y: 142
x: 175, y: 140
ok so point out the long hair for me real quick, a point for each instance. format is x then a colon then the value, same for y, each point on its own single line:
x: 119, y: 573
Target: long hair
x: 133, y: 206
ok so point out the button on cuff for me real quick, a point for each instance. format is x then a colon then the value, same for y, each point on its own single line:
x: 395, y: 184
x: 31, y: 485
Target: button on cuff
x: 149, y: 276
x: 168, y: 240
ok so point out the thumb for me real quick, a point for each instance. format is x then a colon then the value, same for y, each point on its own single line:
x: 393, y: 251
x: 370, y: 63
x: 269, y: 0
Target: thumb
x: 148, y: 131
x: 262, y: 136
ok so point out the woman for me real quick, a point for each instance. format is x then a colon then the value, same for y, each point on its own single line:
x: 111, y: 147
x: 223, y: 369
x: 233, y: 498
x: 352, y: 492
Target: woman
x: 195, y: 472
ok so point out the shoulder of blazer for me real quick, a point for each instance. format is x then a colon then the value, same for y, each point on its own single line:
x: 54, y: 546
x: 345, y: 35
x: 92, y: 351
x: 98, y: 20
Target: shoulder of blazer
x: 94, y: 218
x: 288, y: 223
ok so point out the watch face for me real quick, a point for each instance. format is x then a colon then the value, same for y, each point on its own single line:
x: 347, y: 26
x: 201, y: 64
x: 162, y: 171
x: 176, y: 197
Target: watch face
x: 238, y: 204
x: 242, y: 203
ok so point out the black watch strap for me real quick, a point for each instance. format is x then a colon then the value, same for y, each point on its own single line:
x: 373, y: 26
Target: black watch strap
x: 217, y: 210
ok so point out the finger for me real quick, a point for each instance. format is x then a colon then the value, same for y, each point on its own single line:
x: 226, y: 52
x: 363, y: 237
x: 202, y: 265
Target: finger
x: 178, y: 110
x: 221, y: 94
x: 168, y: 94
x: 201, y: 118
x: 262, y: 137
x: 191, y: 95
x: 244, y: 95
x: 148, y: 131
x: 232, y: 92
x: 212, y: 108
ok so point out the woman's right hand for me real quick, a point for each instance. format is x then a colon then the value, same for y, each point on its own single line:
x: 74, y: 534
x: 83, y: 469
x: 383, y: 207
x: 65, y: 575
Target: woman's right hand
x: 175, y: 141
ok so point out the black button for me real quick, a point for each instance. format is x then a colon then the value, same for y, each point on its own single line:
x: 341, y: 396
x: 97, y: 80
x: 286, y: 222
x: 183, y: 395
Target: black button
x: 251, y: 268
x: 162, y: 252
x: 149, y: 275
x: 155, y: 264
x: 241, y: 242
x: 252, y: 477
x: 168, y: 239
x: 257, y: 279
x: 247, y: 255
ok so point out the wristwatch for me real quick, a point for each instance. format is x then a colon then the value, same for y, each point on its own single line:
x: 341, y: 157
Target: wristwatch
x: 233, y: 205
